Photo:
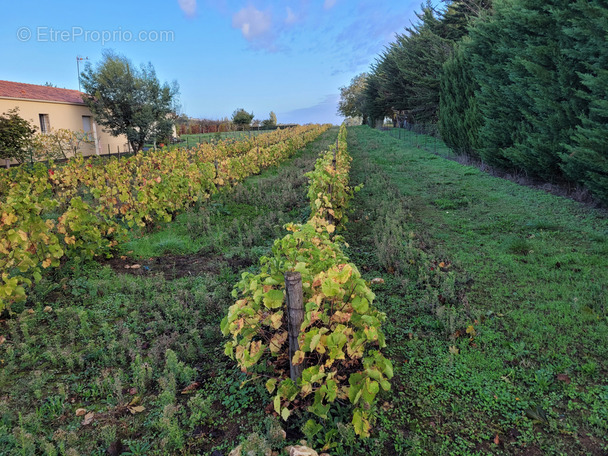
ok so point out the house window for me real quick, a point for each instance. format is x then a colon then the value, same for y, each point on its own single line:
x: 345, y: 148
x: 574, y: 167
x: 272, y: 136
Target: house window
x: 45, y: 126
x: 86, y: 124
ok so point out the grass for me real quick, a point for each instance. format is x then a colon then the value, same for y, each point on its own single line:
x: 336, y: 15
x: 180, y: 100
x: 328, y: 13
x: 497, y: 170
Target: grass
x: 109, y: 340
x: 496, y: 296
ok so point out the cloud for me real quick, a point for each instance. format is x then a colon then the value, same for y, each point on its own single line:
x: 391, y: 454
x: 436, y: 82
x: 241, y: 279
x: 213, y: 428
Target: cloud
x: 253, y: 23
x: 291, y: 17
x: 329, y: 4
x: 188, y: 7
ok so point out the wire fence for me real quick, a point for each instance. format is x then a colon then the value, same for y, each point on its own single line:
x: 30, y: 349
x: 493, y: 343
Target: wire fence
x: 421, y: 136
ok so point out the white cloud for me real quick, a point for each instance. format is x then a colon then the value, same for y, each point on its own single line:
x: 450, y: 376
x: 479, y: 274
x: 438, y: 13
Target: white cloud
x: 329, y: 4
x: 291, y: 17
x: 188, y: 6
x: 253, y: 23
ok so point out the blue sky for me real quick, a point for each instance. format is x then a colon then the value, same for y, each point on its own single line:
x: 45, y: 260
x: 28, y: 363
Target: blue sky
x: 289, y: 56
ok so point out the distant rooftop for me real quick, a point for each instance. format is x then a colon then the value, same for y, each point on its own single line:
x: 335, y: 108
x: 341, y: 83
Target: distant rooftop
x: 10, y: 89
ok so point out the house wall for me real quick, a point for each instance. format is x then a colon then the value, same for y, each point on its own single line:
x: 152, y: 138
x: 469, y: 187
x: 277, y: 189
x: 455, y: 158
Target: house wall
x: 68, y: 116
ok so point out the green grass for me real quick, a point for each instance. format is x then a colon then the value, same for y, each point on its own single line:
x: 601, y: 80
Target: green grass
x: 234, y: 220
x: 526, y: 271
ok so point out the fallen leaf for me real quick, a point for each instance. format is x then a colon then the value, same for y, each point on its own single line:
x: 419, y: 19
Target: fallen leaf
x: 454, y: 350
x: 81, y: 411
x: 496, y: 440
x: 377, y: 281
x: 136, y: 400
x: 48, y: 309
x: 191, y: 388
x: 2, y: 340
x: 123, y: 257
x: 30, y: 311
x: 138, y: 409
x: 537, y: 414
x: 471, y: 330
x: 564, y: 378
x: 88, y: 418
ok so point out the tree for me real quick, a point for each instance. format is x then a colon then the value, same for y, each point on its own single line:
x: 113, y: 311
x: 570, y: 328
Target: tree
x: 352, y: 97
x: 586, y: 158
x: 459, y: 117
x: 61, y: 144
x: 271, y: 121
x: 527, y: 85
x: 242, y: 118
x: 129, y: 101
x: 16, y: 136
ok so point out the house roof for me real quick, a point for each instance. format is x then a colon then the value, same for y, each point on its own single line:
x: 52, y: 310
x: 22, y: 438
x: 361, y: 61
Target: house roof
x: 10, y: 89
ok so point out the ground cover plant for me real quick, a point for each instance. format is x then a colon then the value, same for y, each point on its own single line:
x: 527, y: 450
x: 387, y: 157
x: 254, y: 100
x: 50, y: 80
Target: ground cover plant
x: 106, y: 359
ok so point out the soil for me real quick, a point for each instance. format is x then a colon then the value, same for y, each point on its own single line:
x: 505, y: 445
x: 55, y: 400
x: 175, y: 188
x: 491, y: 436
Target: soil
x: 177, y: 266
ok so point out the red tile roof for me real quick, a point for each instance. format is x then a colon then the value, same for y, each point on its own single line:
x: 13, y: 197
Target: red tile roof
x: 36, y: 92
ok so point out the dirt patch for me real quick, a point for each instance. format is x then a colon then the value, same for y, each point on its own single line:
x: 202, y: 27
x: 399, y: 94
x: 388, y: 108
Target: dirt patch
x: 177, y: 266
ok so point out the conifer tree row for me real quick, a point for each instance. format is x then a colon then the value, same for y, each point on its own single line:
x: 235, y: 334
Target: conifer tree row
x: 521, y: 84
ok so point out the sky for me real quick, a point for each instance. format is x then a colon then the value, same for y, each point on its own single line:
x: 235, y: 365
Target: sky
x: 286, y: 56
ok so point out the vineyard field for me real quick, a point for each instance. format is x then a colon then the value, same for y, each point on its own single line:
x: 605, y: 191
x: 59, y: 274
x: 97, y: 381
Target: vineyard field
x: 491, y: 299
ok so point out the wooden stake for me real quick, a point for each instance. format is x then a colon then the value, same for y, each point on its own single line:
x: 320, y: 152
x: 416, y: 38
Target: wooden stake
x: 295, y: 315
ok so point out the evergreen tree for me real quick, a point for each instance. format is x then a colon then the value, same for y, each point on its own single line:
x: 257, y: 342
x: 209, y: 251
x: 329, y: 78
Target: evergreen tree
x: 413, y: 63
x: 459, y: 118
x: 526, y: 96
x: 374, y: 106
x: 586, y: 156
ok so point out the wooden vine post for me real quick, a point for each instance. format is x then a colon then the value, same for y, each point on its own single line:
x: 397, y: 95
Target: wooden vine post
x: 330, y: 218
x: 295, y: 315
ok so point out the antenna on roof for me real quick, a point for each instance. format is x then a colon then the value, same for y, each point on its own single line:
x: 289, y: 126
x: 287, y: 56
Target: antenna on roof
x: 78, y: 60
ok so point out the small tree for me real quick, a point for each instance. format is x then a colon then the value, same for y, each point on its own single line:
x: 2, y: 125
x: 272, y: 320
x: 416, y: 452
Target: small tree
x: 271, y: 121
x: 352, y: 97
x: 242, y: 118
x: 16, y: 136
x: 61, y: 143
x: 129, y: 101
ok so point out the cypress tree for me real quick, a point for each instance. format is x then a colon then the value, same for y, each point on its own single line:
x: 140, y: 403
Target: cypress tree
x: 459, y: 117
x: 586, y: 157
x: 527, y: 95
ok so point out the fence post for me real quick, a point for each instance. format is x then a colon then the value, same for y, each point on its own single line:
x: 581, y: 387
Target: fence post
x: 295, y: 315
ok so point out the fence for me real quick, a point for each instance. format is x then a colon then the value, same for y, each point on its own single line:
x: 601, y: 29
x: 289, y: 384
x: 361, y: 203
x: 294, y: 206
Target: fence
x: 422, y: 136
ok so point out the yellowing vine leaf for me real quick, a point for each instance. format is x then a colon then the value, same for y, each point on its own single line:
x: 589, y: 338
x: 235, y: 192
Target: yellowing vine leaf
x: 298, y: 357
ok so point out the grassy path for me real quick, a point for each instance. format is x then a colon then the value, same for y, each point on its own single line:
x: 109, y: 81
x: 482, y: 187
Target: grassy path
x: 123, y: 344
x: 497, y: 301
